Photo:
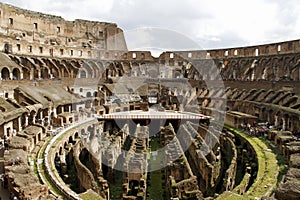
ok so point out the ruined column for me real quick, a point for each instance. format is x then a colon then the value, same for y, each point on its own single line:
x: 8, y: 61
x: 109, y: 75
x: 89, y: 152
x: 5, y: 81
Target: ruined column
x: 31, y: 76
x: 41, y: 115
x: 33, y: 119
x: 19, y: 124
x: 26, y: 120
x: 276, y: 121
x: 55, y: 112
x: 39, y: 74
x: 284, y: 124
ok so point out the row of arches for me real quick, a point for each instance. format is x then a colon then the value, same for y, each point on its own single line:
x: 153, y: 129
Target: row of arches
x: 11, y: 74
x: 261, y: 68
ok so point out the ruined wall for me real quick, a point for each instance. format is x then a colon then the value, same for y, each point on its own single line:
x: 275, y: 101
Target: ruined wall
x: 35, y: 33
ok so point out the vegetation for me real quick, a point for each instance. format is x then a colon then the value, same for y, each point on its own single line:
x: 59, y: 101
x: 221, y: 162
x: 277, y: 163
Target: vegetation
x: 268, y: 169
x: 90, y: 195
x: 155, y: 180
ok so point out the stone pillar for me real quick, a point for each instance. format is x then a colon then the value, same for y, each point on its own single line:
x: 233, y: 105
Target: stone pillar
x: 31, y: 76
x: 19, y: 124
x: 288, y: 124
x: 33, y: 119
x: 21, y: 75
x: 11, y: 75
x: 26, y: 120
x: 276, y: 121
x: 284, y: 124
x: 49, y: 117
x: 55, y: 112
x: 39, y: 74
x: 70, y: 108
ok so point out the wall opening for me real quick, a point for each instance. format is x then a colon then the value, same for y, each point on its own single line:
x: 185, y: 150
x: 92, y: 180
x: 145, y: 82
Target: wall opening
x: 11, y: 21
x: 226, y: 53
x: 51, y: 52
x: 134, y: 55
x: 35, y: 26
x: 30, y: 49
x: 235, y: 52
x: 16, y: 74
x: 4, y: 74
x: 256, y: 52
x: 171, y: 55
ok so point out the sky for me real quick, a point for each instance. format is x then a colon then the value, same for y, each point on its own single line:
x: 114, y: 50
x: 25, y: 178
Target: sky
x: 206, y: 24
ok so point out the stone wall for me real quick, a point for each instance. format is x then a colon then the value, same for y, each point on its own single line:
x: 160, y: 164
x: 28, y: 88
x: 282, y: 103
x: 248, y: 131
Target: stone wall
x: 35, y: 33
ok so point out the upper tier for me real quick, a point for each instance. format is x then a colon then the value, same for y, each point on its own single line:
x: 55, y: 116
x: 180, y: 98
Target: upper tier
x: 29, y: 32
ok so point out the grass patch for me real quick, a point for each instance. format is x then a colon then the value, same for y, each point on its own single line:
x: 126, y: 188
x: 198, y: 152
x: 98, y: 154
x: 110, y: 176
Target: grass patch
x: 90, y: 195
x: 156, y: 182
x: 268, y: 168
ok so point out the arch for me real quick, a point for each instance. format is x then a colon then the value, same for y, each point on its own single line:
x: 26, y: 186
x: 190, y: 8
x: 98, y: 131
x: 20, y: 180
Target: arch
x: 2, y: 109
x: 16, y: 74
x: 88, y: 94
x: 5, y: 73
x: 54, y: 69
x: 95, y: 94
x: 65, y: 145
x: 71, y: 141
x: 97, y: 71
x: 82, y: 73
x: 60, y: 151
x: 76, y: 135
x: 177, y: 74
x: 90, y: 71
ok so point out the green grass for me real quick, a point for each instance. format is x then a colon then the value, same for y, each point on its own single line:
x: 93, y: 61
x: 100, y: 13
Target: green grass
x: 268, y: 168
x: 155, y: 184
x: 90, y: 195
x: 115, y: 188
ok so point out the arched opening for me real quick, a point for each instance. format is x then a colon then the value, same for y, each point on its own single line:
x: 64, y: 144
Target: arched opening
x: 60, y: 151
x: 16, y: 74
x: 177, y: 74
x: 71, y: 141
x: 134, y: 185
x: 82, y: 132
x: 4, y: 74
x: 2, y: 109
x: 88, y: 94
x: 82, y: 74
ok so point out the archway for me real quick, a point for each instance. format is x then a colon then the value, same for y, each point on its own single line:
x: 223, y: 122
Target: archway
x: 82, y: 74
x: 16, y: 74
x: 88, y: 94
x: 5, y: 74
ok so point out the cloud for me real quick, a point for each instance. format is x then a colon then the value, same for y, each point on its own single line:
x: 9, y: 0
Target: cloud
x: 213, y: 24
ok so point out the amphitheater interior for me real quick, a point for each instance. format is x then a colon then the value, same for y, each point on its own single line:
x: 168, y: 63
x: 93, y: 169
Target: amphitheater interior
x: 81, y: 117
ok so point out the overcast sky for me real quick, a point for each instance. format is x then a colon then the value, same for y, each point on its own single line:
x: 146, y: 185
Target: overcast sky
x: 209, y: 23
